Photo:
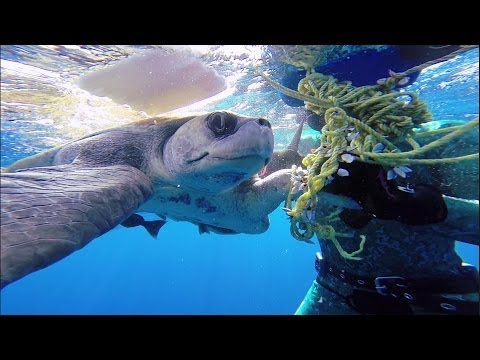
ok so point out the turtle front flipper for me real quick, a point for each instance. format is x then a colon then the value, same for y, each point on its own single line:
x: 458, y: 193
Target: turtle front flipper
x: 273, y: 189
x: 49, y: 212
x: 269, y: 192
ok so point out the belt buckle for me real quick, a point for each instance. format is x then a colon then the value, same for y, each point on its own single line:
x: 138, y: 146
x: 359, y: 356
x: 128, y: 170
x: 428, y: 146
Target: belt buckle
x: 390, y: 285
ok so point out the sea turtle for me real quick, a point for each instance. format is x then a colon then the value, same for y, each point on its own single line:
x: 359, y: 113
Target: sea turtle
x: 199, y: 168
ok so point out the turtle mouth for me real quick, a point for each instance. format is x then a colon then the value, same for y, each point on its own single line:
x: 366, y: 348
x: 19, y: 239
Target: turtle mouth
x: 198, y: 158
x: 245, y: 157
x: 205, y: 154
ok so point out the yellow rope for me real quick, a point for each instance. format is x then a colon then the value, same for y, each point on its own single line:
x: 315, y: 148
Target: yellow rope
x: 412, y: 142
x: 450, y: 160
x: 327, y: 232
x: 434, y: 144
x: 293, y: 93
x: 333, y: 133
x: 437, y: 131
x: 368, y: 103
x: 357, y: 121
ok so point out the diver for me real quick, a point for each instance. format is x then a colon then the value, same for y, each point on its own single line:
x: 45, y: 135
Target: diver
x: 408, y: 264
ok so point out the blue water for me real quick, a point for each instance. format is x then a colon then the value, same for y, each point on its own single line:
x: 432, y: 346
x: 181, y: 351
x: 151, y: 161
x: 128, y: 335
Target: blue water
x: 125, y: 271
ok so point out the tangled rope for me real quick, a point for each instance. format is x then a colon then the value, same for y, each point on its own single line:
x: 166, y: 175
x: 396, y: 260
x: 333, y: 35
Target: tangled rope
x: 367, y: 124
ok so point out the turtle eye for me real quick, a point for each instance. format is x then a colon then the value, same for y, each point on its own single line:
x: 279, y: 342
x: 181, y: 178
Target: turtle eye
x: 222, y: 123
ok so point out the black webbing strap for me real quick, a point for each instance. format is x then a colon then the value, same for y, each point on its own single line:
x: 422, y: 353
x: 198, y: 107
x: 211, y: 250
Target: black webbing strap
x: 425, y: 293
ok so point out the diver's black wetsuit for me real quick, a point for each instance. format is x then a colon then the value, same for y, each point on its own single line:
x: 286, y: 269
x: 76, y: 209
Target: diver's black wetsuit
x: 411, y: 230
x: 418, y: 246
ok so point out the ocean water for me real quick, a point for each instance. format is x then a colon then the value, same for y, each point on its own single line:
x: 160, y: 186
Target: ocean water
x: 125, y: 271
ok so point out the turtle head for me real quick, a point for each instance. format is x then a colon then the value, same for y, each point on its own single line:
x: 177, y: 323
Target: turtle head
x: 218, y: 151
